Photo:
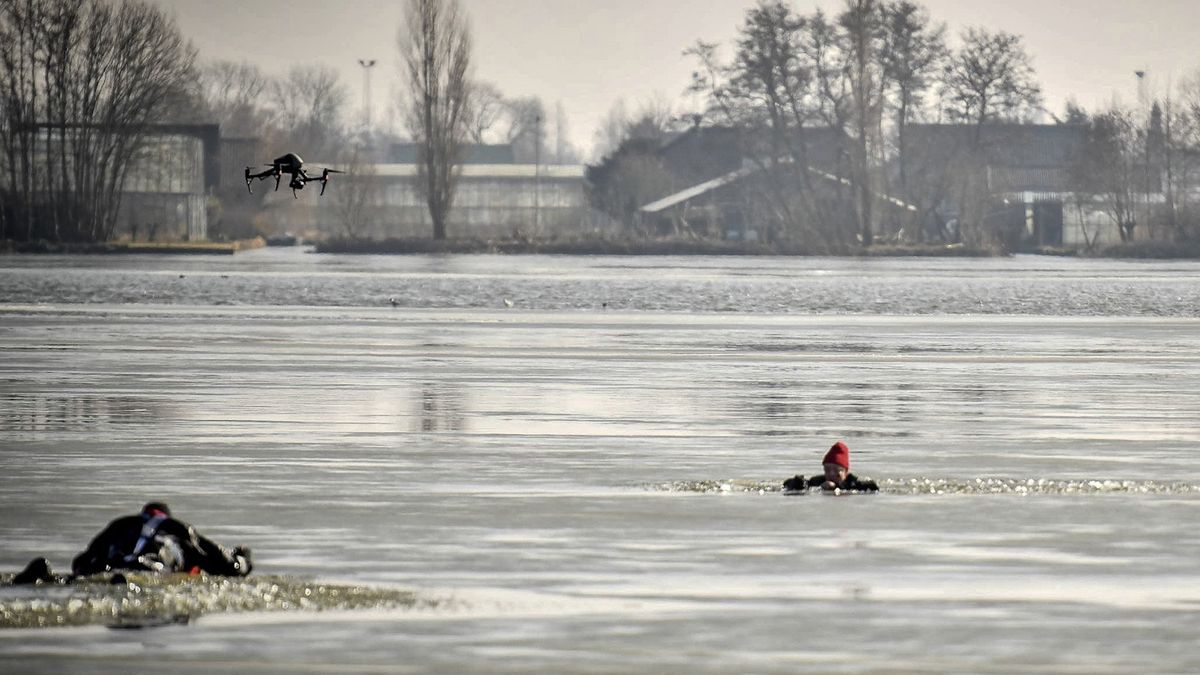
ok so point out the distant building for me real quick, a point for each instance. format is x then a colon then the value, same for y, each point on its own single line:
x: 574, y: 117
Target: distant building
x: 166, y: 185
x: 237, y: 153
x: 491, y: 201
x: 701, y: 153
x: 475, y: 153
x: 1030, y: 177
x: 721, y: 174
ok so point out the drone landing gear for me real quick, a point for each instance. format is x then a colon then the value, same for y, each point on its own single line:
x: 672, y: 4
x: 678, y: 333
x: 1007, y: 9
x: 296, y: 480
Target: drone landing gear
x: 297, y: 181
x: 325, y: 175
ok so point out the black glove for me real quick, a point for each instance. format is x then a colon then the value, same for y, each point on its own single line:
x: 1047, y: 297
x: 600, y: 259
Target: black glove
x: 796, y: 482
x: 241, y: 554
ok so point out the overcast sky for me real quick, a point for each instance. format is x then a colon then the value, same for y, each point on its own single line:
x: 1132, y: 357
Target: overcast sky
x: 590, y: 53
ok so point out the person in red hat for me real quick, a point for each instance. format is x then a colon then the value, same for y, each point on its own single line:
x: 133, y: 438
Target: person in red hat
x: 151, y: 541
x: 837, y: 475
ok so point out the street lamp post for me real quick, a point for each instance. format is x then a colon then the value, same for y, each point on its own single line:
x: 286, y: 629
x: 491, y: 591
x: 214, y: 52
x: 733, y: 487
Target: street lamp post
x: 367, y: 64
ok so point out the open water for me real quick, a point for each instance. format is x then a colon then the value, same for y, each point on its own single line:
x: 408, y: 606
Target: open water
x: 585, y: 481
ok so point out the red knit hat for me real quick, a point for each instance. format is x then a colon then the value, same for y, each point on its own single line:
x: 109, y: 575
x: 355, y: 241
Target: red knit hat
x: 839, y: 454
x: 153, y: 509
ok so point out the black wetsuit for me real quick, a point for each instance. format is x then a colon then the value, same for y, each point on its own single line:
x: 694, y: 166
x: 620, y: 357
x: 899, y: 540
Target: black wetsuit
x: 851, y: 484
x: 158, y: 543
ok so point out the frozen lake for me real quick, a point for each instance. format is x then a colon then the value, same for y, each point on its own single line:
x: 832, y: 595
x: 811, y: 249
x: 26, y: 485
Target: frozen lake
x: 535, y: 469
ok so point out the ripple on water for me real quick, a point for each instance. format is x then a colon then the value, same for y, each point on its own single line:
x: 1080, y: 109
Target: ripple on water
x: 948, y: 486
x: 148, y: 600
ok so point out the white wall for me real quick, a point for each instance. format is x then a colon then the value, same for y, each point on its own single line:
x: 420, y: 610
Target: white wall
x: 1081, y: 224
x: 484, y: 206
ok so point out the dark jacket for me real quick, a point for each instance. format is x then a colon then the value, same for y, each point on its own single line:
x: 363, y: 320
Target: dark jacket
x: 161, y: 544
x: 851, y: 484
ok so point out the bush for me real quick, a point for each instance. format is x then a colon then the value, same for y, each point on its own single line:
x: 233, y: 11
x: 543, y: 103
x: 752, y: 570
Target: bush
x: 1153, y: 249
x: 623, y: 246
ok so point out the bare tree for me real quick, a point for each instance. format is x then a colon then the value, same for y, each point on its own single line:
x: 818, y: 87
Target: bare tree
x: 628, y: 178
x: 653, y: 119
x: 911, y: 56
x: 234, y: 94
x: 486, y: 111
x: 308, y: 103
x: 1186, y: 143
x: 611, y: 132
x: 357, y: 195
x: 862, y: 24
x: 1111, y: 167
x: 1173, y: 151
x: 435, y: 49
x: 990, y: 78
x: 527, y: 127
x: 82, y: 81
x: 788, y: 74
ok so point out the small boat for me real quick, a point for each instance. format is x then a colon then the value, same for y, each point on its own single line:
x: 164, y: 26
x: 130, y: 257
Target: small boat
x: 286, y: 239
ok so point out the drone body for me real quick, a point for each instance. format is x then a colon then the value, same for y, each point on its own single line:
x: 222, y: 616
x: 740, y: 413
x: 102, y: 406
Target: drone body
x: 292, y: 165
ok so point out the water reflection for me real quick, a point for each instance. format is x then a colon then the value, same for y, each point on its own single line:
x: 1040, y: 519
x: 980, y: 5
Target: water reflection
x: 947, y: 486
x: 440, y: 406
x: 52, y: 413
x: 800, y: 402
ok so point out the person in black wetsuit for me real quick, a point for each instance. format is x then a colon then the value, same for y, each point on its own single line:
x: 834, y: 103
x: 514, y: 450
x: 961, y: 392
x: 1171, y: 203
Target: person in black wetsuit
x: 151, y: 541
x: 837, y: 475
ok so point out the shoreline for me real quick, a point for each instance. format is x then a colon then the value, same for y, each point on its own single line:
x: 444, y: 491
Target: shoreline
x: 140, y: 247
x: 1141, y: 250
x: 1144, y: 250
x: 625, y: 247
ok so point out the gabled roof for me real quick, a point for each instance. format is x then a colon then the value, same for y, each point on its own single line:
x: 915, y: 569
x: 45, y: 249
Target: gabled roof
x: 749, y: 169
x: 1019, y: 157
x: 698, y: 190
x: 1005, y: 145
x: 701, y: 154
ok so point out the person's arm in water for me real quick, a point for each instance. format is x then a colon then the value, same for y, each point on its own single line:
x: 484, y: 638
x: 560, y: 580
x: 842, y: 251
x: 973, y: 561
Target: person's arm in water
x: 850, y: 483
x: 796, y: 483
x: 854, y: 483
x: 213, y: 558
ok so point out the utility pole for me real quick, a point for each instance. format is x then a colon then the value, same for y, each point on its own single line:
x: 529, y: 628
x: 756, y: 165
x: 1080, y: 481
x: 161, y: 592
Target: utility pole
x: 367, y: 64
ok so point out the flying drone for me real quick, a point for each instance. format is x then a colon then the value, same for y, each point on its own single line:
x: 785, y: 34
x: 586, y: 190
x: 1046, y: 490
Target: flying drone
x: 292, y: 165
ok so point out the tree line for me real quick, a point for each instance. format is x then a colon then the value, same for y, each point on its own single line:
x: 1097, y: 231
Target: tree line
x: 84, y: 82
x: 1142, y: 167
x: 822, y: 105
x: 80, y: 83
x: 794, y: 83
x: 442, y: 108
x: 862, y: 75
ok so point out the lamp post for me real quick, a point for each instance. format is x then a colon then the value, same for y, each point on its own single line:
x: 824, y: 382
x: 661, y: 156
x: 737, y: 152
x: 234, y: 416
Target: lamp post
x: 367, y: 64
